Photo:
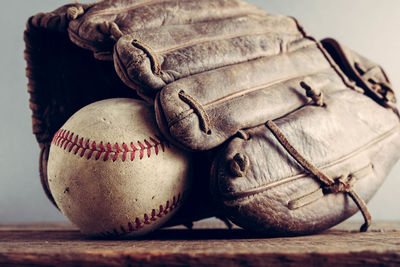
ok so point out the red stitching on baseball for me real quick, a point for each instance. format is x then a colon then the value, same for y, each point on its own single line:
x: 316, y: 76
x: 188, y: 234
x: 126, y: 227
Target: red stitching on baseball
x: 81, y: 146
x: 166, y: 207
x: 66, y: 143
x: 70, y: 137
x: 139, y: 224
x: 133, y: 153
x: 76, y: 148
x: 142, y: 148
x: 146, y: 219
x: 126, y: 150
x: 155, y: 144
x: 74, y: 143
x: 117, y: 151
x: 70, y: 141
x: 60, y: 137
x: 160, y: 214
x: 148, y: 148
x: 162, y: 143
x: 153, y: 215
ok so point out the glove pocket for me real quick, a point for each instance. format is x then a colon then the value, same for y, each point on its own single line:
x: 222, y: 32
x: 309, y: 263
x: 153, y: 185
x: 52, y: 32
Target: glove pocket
x: 309, y: 170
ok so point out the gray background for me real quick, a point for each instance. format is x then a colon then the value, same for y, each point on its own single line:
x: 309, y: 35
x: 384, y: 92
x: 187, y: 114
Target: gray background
x: 369, y: 26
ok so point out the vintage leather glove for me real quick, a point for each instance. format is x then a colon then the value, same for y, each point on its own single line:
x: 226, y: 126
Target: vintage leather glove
x: 315, y: 166
x: 82, y: 53
x: 218, y: 71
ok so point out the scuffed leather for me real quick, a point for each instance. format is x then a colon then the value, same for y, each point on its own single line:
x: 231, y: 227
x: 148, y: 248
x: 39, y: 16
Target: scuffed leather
x: 367, y: 75
x: 136, y: 15
x: 186, y: 35
x: 354, y: 134
x: 351, y: 134
x: 247, y: 94
x: 187, y: 49
x: 180, y: 33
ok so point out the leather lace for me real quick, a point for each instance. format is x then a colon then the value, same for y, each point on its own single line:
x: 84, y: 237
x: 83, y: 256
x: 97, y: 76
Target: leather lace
x: 339, y: 185
x: 204, y: 120
x: 154, y: 62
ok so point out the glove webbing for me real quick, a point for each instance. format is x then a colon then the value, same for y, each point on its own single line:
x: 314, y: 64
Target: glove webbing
x: 339, y: 185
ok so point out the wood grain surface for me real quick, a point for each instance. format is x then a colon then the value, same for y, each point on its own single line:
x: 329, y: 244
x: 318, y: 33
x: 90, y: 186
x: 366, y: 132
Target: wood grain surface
x: 209, y: 243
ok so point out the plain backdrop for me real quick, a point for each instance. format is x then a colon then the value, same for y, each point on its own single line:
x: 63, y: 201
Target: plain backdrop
x: 370, y: 27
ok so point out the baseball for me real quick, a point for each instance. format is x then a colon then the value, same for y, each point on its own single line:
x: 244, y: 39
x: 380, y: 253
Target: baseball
x: 112, y: 174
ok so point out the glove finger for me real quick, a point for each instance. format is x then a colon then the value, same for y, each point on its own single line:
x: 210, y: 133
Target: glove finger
x: 153, y: 58
x: 262, y: 188
x: 105, y: 22
x: 224, y: 101
x: 58, y: 20
x: 240, y: 96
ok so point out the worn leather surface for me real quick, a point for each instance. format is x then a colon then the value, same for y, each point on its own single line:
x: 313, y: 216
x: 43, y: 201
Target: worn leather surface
x: 139, y: 17
x: 244, y: 95
x: 350, y: 136
x: 155, y: 42
x: 183, y: 36
x: 184, y: 50
x: 247, y: 94
x: 195, y: 37
x: 367, y: 74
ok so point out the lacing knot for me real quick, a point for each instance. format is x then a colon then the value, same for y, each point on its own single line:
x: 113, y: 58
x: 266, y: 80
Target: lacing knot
x: 343, y: 184
x: 314, y: 93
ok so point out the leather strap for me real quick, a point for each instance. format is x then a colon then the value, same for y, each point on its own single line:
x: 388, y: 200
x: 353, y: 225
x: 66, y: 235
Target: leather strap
x: 338, y: 185
x: 204, y: 120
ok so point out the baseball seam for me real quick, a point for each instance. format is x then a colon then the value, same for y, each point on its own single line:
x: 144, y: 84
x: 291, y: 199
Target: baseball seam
x: 138, y: 224
x: 71, y: 142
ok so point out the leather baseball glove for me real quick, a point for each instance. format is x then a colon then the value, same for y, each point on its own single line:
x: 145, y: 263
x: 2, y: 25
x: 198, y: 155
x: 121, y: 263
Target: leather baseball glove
x: 82, y: 53
x: 310, y: 169
x: 217, y: 71
x: 317, y: 165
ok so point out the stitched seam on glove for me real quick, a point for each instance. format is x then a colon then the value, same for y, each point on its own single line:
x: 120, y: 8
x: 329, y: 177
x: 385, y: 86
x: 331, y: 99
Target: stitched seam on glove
x: 235, y: 95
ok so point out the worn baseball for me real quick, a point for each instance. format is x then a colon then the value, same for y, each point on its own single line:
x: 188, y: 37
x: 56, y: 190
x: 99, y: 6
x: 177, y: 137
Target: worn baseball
x: 112, y: 174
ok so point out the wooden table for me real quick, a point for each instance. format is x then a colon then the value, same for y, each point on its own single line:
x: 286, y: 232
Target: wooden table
x: 210, y: 243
